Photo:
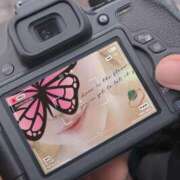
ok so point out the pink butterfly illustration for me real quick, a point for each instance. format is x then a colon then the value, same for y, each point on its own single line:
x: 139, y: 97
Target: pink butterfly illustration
x: 30, y: 106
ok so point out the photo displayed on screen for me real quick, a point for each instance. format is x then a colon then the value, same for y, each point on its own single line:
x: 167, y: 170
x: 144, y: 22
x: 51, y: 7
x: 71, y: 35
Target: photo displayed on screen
x: 80, y: 106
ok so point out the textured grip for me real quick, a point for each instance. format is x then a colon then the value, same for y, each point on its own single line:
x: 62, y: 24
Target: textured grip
x: 10, y: 167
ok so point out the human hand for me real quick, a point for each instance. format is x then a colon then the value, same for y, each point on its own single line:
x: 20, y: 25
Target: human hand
x: 117, y: 169
x: 168, y: 72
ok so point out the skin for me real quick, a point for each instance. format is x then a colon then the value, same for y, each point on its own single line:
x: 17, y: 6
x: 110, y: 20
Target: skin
x: 168, y: 72
x: 117, y: 169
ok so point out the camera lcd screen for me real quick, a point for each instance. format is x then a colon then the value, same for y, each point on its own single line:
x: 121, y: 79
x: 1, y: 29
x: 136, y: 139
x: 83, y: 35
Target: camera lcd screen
x: 81, y: 106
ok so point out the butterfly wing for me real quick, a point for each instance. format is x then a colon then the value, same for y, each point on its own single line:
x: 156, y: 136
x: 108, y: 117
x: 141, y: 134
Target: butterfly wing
x: 56, y: 76
x: 30, y: 113
x: 63, y: 95
x: 62, y: 90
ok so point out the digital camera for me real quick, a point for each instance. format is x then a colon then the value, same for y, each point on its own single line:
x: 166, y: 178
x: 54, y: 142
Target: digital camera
x: 77, y: 85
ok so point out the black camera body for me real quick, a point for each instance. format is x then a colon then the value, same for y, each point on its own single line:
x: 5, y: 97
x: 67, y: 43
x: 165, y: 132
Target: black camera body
x: 46, y: 35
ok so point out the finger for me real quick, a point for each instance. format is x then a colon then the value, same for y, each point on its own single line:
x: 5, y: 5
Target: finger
x: 168, y: 72
x: 117, y: 169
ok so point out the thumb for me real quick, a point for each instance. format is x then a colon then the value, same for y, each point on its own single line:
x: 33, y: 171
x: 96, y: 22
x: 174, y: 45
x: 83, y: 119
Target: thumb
x: 168, y: 72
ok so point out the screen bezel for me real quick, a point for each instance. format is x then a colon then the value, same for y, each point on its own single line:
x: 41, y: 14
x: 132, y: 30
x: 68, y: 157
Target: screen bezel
x: 96, y: 49
x: 95, y: 156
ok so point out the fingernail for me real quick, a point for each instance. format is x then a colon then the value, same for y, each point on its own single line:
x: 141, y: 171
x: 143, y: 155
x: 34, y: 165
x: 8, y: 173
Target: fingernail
x: 168, y: 72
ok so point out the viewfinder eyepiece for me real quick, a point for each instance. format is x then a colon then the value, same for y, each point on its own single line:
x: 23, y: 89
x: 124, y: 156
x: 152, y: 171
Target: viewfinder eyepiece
x: 47, y: 27
x: 55, y: 26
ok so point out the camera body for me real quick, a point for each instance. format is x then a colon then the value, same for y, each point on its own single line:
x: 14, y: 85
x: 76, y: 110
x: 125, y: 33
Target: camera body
x: 48, y: 35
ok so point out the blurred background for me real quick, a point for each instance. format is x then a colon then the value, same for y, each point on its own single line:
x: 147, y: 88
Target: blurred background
x: 7, y: 8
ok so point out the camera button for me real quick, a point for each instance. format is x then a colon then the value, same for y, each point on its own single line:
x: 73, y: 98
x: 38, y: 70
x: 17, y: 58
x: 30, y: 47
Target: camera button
x: 103, y: 19
x: 143, y: 38
x: 7, y: 69
x: 157, y: 47
x: 177, y: 105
